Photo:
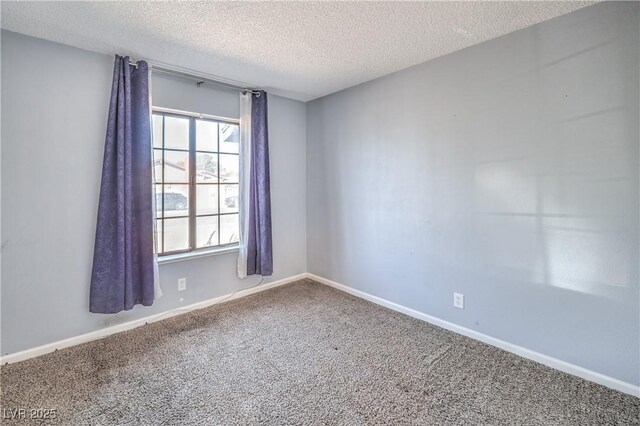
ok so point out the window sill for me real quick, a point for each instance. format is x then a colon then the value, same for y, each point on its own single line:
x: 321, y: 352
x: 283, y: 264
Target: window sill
x: 171, y: 258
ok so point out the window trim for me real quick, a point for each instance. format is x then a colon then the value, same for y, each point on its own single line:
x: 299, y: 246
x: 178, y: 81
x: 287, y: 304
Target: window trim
x: 181, y: 113
x: 193, y: 251
x: 198, y: 253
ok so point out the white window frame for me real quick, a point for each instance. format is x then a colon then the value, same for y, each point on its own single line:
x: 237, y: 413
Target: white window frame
x: 193, y: 251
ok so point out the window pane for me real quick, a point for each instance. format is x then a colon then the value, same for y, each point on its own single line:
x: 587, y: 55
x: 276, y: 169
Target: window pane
x: 206, y: 168
x: 157, y: 131
x: 206, y: 135
x: 176, y: 133
x: 229, y: 138
x: 176, y: 167
x: 229, y: 200
x: 159, y: 200
x: 207, y: 231
x: 176, y: 200
x: 176, y: 234
x: 229, y: 229
x: 229, y: 168
x: 157, y: 165
x: 158, y: 237
x: 206, y: 199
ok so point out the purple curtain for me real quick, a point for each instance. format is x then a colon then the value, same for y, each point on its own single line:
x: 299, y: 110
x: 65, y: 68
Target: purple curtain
x: 123, y: 255
x: 259, y: 255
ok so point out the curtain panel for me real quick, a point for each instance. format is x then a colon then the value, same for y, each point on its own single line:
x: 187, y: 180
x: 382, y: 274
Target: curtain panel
x: 124, y: 268
x: 255, y: 255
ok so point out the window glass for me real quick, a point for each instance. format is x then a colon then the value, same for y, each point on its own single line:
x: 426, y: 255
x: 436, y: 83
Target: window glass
x: 176, y: 133
x: 229, y: 138
x: 229, y: 168
x: 157, y: 131
x: 176, y: 234
x: 229, y: 198
x: 206, y: 199
x: 207, y: 231
x: 229, y: 228
x: 206, y: 135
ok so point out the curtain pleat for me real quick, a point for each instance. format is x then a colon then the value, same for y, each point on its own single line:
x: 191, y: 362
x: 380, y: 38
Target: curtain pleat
x: 259, y: 243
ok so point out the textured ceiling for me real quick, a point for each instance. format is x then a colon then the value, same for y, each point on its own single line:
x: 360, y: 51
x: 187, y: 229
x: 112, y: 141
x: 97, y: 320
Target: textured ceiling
x: 302, y: 50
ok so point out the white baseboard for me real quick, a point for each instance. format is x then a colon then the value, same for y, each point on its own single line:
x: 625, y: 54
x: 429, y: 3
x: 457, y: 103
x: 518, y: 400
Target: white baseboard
x: 99, y: 334
x: 563, y: 366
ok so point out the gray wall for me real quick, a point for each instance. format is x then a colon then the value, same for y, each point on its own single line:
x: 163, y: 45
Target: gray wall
x: 508, y: 172
x: 54, y: 109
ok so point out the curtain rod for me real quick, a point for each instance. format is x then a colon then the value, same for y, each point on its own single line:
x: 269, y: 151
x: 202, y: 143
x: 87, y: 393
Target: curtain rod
x: 199, y: 78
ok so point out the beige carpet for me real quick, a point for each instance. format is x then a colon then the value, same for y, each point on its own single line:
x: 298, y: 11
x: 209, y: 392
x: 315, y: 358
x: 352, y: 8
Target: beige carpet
x: 302, y: 354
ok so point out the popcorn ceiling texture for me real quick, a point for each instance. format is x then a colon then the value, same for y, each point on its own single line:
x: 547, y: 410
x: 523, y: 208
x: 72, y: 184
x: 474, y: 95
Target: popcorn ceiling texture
x: 301, y: 50
x: 302, y: 354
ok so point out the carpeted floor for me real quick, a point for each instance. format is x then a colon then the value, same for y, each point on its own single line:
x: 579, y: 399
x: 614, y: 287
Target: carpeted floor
x: 302, y: 354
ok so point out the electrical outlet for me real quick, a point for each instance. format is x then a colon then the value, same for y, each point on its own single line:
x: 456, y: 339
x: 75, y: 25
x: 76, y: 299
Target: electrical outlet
x: 458, y: 300
x: 182, y: 284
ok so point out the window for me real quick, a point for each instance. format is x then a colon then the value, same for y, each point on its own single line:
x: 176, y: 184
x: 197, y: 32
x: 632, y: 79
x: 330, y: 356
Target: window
x: 196, y: 174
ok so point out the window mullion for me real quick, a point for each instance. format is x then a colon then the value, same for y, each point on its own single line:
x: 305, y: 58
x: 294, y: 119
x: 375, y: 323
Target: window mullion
x: 163, y: 186
x: 219, y: 187
x: 192, y: 183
